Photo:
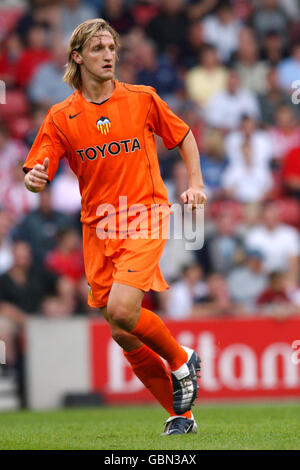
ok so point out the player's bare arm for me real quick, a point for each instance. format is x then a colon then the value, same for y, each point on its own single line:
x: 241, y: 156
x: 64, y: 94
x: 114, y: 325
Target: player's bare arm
x: 36, y: 179
x: 189, y: 151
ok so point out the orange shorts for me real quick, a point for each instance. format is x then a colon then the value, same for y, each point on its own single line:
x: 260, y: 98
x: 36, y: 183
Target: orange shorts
x: 128, y: 261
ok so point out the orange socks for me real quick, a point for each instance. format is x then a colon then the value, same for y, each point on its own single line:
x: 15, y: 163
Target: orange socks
x: 151, y: 330
x: 151, y: 371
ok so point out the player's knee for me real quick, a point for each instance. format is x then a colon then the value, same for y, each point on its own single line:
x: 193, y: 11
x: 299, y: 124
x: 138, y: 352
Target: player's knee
x: 123, y: 315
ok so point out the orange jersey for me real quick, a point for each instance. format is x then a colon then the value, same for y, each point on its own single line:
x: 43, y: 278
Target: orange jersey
x: 110, y: 146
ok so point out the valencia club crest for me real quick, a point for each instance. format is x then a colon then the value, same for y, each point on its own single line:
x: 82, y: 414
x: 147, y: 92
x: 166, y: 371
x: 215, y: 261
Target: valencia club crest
x: 103, y: 124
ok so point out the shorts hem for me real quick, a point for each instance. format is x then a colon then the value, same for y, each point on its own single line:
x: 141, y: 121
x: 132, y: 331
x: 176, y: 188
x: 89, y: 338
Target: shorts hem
x: 96, y: 306
x: 135, y: 284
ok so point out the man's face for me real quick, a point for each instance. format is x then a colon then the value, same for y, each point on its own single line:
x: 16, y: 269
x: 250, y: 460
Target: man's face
x: 271, y: 217
x: 22, y: 254
x: 233, y: 82
x: 98, y: 57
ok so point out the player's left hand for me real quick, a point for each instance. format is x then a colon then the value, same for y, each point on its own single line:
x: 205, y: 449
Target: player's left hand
x: 193, y: 197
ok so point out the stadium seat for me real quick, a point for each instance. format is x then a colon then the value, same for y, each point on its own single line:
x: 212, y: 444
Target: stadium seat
x: 16, y: 105
x: 19, y: 127
x: 289, y: 210
x: 215, y: 208
x: 8, y: 19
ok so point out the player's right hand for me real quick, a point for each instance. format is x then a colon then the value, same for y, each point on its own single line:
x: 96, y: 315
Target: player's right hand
x: 36, y: 179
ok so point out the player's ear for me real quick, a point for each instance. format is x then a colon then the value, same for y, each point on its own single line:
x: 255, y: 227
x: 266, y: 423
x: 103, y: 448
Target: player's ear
x: 76, y: 57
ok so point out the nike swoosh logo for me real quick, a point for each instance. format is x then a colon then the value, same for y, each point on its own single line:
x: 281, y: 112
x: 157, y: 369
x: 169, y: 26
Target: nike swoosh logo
x: 130, y: 271
x: 74, y: 115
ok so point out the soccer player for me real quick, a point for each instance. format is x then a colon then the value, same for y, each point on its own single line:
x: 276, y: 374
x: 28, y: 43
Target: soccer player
x: 106, y: 131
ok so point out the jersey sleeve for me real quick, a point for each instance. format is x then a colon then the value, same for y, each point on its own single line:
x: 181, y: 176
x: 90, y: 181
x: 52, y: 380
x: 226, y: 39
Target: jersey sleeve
x: 48, y: 143
x: 166, y: 124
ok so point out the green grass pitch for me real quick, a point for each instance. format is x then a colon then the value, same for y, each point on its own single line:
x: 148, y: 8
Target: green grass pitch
x: 240, y: 426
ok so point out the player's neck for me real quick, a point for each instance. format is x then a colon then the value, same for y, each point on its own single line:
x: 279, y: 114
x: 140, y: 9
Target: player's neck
x: 98, y: 92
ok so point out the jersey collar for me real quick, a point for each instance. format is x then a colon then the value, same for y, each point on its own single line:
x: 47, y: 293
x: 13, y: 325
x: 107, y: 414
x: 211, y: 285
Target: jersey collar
x: 94, y: 104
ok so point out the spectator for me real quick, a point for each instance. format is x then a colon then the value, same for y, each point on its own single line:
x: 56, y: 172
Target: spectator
x: 186, y: 293
x: 44, y: 13
x: 269, y: 17
x: 38, y: 115
x: 291, y: 173
x: 156, y: 72
x: 191, y: 114
x: 117, y: 13
x: 190, y: 50
x: 66, y: 258
x: 213, y: 163
x: 274, y: 300
x: 285, y: 134
x: 66, y: 182
x: 46, y: 86
x: 247, y: 282
x: 6, y: 258
x: 143, y: 12
x: 73, y: 13
x: 126, y: 72
x: 226, y: 109
x: 11, y: 151
x: 291, y: 9
x: 167, y: 160
x: 179, y: 180
x: 15, y: 198
x: 217, y: 302
x: 10, y: 52
x: 289, y: 69
x: 23, y: 286
x: 206, y: 79
x: 279, y: 244
x: 245, y: 180
x: 40, y: 227
x: 222, y: 30
x: 224, y: 246
x: 259, y: 140
x: 22, y: 290
x: 197, y: 10
x: 54, y: 307
x: 33, y: 55
x: 175, y: 255
x: 168, y: 29
x: 252, y: 72
x: 273, y: 48
x: 273, y: 99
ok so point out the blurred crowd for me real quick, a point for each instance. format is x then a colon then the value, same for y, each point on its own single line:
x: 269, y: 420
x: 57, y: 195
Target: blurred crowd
x: 231, y: 70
